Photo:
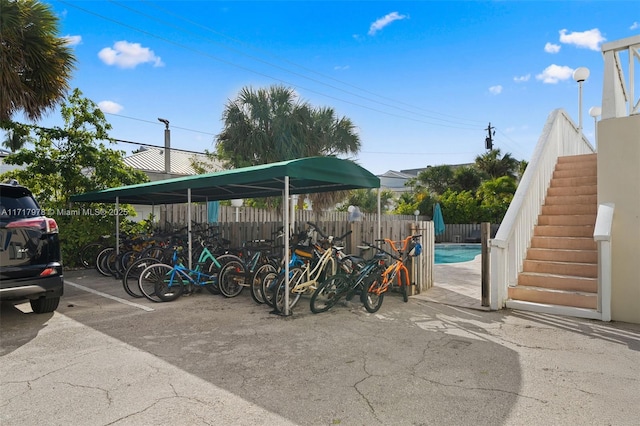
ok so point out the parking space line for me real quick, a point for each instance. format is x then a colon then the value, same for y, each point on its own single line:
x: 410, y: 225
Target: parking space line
x: 108, y: 296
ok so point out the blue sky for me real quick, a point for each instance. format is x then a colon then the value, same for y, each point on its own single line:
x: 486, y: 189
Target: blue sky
x: 421, y: 80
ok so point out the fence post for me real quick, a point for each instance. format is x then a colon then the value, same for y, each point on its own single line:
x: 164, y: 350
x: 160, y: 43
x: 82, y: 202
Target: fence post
x: 485, y: 236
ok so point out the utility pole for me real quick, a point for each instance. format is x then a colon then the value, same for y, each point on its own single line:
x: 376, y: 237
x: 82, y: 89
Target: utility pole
x: 488, y: 142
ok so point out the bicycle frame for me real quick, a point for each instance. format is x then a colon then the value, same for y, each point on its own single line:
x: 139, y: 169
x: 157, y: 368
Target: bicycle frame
x: 397, y: 270
x: 312, y: 274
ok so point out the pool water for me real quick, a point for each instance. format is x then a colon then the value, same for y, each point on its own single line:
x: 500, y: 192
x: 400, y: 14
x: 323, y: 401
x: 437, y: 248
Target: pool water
x: 456, y: 253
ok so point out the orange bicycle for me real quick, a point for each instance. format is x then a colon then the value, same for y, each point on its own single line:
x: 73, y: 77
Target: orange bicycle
x: 397, y: 270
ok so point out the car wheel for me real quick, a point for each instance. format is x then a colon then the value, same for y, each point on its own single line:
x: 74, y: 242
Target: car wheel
x: 44, y: 305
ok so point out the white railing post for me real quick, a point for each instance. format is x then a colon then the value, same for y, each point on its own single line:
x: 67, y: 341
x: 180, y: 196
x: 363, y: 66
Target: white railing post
x: 602, y: 234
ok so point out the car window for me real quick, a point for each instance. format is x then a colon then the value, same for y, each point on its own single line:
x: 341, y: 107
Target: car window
x: 18, y: 206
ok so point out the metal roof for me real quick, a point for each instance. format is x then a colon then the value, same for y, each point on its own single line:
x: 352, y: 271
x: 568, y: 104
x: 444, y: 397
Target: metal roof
x: 306, y: 175
x: 151, y: 159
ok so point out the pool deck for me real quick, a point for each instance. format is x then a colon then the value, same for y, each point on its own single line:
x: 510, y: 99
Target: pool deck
x: 457, y: 284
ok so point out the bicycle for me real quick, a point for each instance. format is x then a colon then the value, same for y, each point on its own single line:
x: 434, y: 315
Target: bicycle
x: 356, y: 276
x: 260, y: 260
x: 160, y: 282
x: 305, y: 279
x: 374, y: 295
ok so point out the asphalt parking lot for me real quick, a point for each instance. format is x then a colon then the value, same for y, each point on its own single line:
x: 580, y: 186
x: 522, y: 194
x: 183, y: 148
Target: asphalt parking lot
x: 107, y: 359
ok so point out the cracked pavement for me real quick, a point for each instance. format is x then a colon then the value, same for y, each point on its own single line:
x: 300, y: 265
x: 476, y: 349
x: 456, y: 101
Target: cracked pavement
x: 205, y: 360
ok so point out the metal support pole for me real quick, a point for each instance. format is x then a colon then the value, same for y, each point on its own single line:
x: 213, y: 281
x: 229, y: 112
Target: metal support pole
x: 286, y: 246
x: 485, y: 236
x: 117, y: 225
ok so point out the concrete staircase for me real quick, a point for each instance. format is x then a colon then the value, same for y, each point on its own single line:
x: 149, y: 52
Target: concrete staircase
x: 561, y: 267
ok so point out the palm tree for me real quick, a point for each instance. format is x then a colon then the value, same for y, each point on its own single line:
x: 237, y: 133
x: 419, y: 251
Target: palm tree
x: 269, y: 125
x: 496, y: 167
x: 36, y: 65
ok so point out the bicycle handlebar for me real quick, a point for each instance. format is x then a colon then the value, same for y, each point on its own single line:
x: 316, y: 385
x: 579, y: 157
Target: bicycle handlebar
x: 314, y: 226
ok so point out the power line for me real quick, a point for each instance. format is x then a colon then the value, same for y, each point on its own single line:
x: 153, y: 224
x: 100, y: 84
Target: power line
x: 467, y: 127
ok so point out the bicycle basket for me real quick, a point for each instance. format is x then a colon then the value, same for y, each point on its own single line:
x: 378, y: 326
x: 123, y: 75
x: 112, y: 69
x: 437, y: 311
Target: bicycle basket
x: 416, y: 250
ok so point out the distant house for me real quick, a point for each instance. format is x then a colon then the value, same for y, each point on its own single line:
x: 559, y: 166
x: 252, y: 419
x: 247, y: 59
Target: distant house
x: 395, y: 181
x: 152, y: 161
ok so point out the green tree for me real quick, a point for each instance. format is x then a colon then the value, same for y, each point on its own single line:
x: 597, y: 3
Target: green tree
x: 495, y: 196
x: 36, y: 64
x: 270, y: 125
x: 466, y: 178
x: 69, y: 160
x: 436, y: 178
x: 460, y: 207
x: 367, y: 200
x: 494, y: 166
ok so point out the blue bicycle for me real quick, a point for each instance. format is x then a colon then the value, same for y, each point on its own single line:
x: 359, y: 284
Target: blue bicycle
x: 160, y: 282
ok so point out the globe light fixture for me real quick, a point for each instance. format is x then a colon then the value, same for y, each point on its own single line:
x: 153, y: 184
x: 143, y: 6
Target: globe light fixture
x: 580, y: 75
x: 595, y: 112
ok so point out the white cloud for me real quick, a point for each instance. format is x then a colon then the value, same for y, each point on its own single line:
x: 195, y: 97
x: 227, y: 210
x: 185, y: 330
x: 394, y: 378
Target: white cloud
x: 552, y: 48
x: 384, y: 21
x: 110, y: 107
x: 341, y: 67
x: 635, y: 26
x: 555, y: 73
x: 495, y: 90
x: 590, y: 39
x: 72, y: 40
x: 128, y: 55
x: 522, y: 78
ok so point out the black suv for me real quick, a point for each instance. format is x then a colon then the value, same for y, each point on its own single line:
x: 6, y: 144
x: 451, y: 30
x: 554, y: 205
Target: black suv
x: 30, y: 262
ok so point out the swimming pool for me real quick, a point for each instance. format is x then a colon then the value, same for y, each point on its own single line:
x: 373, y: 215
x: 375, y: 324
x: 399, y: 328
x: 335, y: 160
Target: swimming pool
x: 456, y: 253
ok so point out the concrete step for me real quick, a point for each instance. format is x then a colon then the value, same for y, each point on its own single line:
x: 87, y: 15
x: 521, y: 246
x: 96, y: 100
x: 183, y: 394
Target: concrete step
x: 563, y: 231
x: 569, y: 220
x: 587, y: 270
x: 577, y: 158
x: 564, y: 243
x: 572, y: 190
x: 558, y: 282
x: 563, y: 255
x: 554, y: 297
x: 575, y: 172
x: 558, y: 200
x: 574, y: 181
x: 567, y: 209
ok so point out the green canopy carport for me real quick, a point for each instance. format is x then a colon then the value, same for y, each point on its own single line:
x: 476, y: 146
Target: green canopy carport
x: 305, y: 176
x: 285, y: 178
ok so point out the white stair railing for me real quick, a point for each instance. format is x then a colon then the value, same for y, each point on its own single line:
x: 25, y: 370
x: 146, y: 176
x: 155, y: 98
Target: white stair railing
x: 560, y: 137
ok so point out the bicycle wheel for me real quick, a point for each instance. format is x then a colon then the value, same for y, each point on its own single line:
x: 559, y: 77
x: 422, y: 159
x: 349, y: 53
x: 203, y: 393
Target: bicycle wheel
x: 231, y: 279
x: 214, y: 271
x: 404, y: 292
x: 102, y: 260
x: 160, y: 283
x: 328, y: 293
x: 256, y: 282
x: 296, y: 274
x: 88, y: 254
x: 268, y: 287
x: 132, y: 274
x: 371, y: 300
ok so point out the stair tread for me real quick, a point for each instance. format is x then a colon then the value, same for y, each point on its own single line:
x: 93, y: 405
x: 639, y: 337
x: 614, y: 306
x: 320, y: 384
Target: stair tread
x: 543, y: 274
x: 556, y: 290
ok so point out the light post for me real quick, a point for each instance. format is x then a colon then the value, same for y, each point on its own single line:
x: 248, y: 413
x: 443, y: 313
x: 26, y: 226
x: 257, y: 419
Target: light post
x: 167, y: 145
x: 237, y: 204
x: 595, y: 112
x: 416, y: 213
x: 580, y: 75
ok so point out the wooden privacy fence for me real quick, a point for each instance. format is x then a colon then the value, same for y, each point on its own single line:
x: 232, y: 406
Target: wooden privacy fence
x: 176, y: 214
x: 420, y: 267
